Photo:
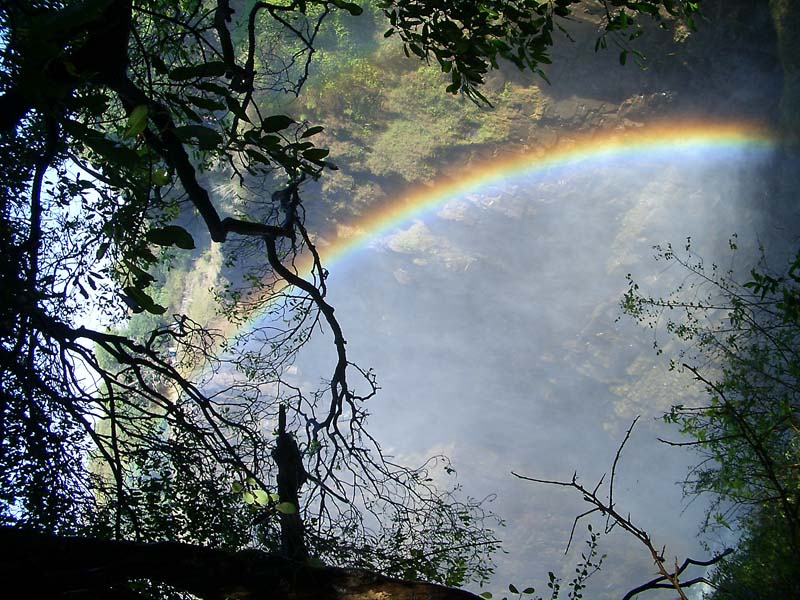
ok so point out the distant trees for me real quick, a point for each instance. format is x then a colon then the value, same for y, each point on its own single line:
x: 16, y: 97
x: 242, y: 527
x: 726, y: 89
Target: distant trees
x: 112, y: 112
x: 742, y: 343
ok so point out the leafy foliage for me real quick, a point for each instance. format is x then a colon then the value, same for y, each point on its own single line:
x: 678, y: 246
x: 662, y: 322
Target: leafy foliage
x: 742, y: 345
x: 468, y: 38
x: 590, y: 563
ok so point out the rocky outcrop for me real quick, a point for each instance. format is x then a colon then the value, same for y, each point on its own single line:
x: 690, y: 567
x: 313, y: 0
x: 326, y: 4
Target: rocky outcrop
x: 786, y: 17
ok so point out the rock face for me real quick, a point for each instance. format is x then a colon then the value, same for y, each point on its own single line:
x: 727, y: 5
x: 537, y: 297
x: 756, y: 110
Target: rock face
x: 728, y: 69
x: 786, y: 17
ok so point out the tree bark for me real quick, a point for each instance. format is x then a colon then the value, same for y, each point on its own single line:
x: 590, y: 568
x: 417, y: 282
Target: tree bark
x: 291, y: 477
x: 49, y: 566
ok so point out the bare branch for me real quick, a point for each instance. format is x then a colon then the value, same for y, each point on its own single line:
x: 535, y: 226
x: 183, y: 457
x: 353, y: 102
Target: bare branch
x: 615, y: 518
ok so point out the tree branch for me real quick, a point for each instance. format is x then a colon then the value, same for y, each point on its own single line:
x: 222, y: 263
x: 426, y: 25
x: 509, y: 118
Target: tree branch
x: 658, y: 582
x: 614, y: 517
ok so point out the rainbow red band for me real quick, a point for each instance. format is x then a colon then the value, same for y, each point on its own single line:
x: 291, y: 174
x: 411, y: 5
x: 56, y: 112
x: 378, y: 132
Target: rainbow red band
x: 572, y: 151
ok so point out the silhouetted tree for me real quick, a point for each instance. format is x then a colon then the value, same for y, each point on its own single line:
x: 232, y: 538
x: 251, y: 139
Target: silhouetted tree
x: 111, y: 112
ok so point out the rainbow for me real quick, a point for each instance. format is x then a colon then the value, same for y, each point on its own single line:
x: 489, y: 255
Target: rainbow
x: 675, y: 138
x: 596, y: 147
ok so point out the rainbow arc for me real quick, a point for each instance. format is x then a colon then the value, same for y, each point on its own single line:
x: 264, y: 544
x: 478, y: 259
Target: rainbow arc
x: 675, y: 138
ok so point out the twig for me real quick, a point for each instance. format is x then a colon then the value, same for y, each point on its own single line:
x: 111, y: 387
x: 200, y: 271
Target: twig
x: 614, y: 518
x: 657, y: 582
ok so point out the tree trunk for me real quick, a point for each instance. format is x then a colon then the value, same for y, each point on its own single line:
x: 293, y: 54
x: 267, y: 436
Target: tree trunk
x: 48, y: 566
x: 291, y: 477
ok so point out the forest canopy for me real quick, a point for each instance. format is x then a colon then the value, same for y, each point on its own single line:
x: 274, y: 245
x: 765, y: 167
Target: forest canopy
x: 115, y: 118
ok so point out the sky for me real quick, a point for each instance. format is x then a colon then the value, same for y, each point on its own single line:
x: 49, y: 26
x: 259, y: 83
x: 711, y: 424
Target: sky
x: 492, y: 321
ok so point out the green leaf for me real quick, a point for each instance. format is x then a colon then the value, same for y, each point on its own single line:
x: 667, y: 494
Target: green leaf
x: 158, y: 64
x: 134, y: 306
x: 171, y: 235
x: 487, y: 595
x: 351, y: 7
x: 205, y: 103
x: 261, y: 497
x: 143, y: 300
x: 561, y: 11
x: 209, y: 86
x: 249, y: 498
x: 207, y: 138
x: 161, y: 177
x: 110, y: 150
x: 207, y: 69
x: 143, y: 278
x: 287, y: 508
x: 184, y: 106
x: 258, y: 156
x: 145, y: 254
x: 312, y: 131
x: 236, y: 487
x: 416, y: 50
x: 512, y: 588
x: 316, y: 154
x: 276, y: 123
x: 529, y: 590
x: 101, y: 250
x: 137, y: 121
x: 236, y: 109
x: 94, y: 103
x: 270, y: 141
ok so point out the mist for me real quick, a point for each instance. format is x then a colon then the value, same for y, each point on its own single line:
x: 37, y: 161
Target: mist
x: 494, y: 325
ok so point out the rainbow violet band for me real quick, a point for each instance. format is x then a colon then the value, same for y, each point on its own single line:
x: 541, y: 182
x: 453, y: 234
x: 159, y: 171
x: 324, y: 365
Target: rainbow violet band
x: 608, y: 145
x: 676, y: 138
